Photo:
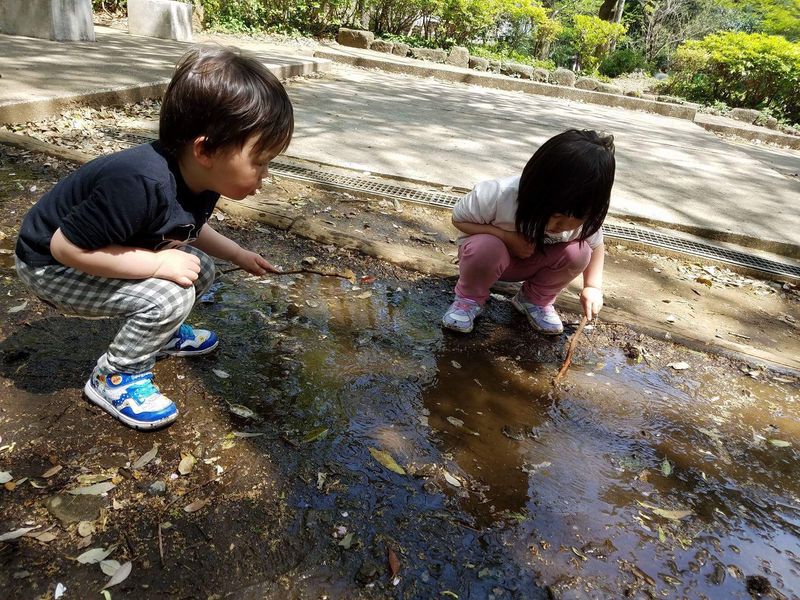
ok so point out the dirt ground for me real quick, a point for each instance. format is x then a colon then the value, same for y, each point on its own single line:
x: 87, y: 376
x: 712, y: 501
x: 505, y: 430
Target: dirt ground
x: 643, y: 477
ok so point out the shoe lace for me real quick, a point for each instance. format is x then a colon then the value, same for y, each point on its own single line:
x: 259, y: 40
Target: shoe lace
x: 143, y: 387
x: 465, y: 305
x: 185, y: 332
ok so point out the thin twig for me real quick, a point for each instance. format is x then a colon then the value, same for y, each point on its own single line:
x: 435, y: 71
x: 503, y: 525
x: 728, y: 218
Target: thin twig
x: 570, y: 349
x: 160, y: 546
x: 189, y: 492
x: 298, y: 271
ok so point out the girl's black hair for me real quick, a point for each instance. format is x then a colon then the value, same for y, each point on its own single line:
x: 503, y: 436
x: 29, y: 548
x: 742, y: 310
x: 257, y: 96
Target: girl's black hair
x: 572, y: 174
x: 225, y: 96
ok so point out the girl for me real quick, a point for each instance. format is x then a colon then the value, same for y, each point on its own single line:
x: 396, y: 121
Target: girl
x: 543, y: 228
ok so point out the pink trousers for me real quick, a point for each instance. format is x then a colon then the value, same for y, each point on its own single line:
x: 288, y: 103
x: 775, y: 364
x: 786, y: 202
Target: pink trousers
x: 485, y: 259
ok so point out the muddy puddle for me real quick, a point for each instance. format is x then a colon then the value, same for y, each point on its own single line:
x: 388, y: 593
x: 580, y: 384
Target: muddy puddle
x: 635, y: 478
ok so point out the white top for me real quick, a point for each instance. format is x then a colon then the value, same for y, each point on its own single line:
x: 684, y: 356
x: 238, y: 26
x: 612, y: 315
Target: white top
x: 495, y: 203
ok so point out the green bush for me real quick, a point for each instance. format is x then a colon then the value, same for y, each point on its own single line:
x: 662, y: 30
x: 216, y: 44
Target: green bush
x: 743, y: 70
x: 503, y: 53
x: 593, y: 36
x: 621, y: 62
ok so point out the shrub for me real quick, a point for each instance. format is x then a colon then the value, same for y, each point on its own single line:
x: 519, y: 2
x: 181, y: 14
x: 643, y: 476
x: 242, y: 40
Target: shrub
x: 505, y: 54
x: 593, y: 36
x: 743, y: 70
x: 622, y: 61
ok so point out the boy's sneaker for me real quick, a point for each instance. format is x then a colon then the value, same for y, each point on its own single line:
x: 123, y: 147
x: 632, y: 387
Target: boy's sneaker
x: 543, y: 319
x: 461, y: 315
x: 187, y: 341
x: 133, y: 399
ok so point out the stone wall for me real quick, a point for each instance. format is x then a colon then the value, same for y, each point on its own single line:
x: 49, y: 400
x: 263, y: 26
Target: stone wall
x: 163, y: 19
x: 58, y: 20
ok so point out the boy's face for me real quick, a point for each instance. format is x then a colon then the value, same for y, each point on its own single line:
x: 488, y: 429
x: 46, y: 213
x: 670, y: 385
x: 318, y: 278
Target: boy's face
x: 237, y: 173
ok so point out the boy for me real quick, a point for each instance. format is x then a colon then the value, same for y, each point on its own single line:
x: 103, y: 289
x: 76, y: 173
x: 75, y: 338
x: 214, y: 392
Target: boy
x: 127, y: 234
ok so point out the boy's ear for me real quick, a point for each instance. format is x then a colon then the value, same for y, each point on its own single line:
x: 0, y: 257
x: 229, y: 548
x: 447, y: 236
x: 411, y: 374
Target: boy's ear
x: 200, y: 152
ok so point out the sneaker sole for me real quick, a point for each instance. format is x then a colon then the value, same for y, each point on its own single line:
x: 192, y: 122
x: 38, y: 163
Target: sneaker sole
x: 451, y: 328
x: 208, y: 350
x: 515, y: 303
x: 97, y: 399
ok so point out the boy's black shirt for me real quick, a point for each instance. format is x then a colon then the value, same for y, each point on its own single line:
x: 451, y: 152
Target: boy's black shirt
x: 136, y: 197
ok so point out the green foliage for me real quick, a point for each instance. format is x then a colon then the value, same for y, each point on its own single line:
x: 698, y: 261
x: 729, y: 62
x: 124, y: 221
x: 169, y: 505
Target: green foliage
x: 464, y: 20
x: 622, y: 61
x: 775, y: 17
x: 251, y: 16
x: 743, y: 70
x: 593, y: 36
x: 415, y: 41
x: 498, y: 51
x: 111, y: 6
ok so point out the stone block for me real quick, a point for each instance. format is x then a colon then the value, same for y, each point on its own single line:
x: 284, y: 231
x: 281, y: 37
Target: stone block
x: 607, y: 88
x: 587, y: 83
x: 165, y: 19
x: 540, y: 74
x: 767, y: 121
x: 401, y: 49
x: 436, y: 55
x: 494, y: 66
x: 748, y: 115
x: 458, y: 57
x: 563, y: 76
x: 355, y: 38
x: 58, y: 20
x: 382, y: 46
x: 478, y: 63
x: 517, y: 70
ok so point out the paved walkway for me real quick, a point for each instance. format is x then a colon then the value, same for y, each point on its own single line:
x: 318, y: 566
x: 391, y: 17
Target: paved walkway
x: 669, y: 170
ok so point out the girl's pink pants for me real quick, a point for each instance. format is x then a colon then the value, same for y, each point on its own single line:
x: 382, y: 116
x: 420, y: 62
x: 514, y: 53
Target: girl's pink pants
x: 485, y: 259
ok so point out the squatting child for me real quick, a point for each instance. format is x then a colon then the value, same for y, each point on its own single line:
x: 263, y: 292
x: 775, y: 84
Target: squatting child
x: 543, y: 228
x: 127, y: 234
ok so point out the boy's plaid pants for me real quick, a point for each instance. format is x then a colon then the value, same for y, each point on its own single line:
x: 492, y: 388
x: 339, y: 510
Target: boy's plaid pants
x: 153, y: 308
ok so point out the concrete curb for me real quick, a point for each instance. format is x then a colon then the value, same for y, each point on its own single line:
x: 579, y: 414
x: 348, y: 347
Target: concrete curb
x: 502, y: 82
x: 21, y: 112
x: 748, y: 132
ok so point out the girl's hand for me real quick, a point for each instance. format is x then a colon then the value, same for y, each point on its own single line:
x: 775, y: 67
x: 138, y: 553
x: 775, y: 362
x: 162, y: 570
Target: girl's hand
x: 591, y: 301
x: 176, y: 265
x: 253, y: 263
x: 517, y: 244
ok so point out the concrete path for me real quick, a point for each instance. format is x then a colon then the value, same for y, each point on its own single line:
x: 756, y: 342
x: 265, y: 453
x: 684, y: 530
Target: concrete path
x: 669, y: 170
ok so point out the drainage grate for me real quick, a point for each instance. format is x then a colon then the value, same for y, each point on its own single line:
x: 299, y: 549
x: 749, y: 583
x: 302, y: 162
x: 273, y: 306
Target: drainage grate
x: 634, y: 234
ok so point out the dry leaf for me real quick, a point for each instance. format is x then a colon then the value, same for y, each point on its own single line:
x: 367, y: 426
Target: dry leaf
x: 146, y: 457
x: 120, y: 576
x: 109, y: 567
x: 386, y: 460
x: 52, y: 471
x: 5, y: 477
x: 196, y: 505
x: 455, y: 422
x: 220, y: 373
x: 679, y: 366
x: 451, y: 480
x: 187, y: 463
x: 95, y: 555
x: 394, y: 563
x: 85, y: 528
x: 241, y: 411
x: 93, y: 490
x: 17, y: 533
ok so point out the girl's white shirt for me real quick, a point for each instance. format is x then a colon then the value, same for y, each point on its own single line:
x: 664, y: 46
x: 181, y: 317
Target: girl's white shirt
x: 495, y: 203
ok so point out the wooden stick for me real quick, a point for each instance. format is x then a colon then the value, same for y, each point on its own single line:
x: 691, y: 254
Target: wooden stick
x: 297, y: 271
x: 573, y: 341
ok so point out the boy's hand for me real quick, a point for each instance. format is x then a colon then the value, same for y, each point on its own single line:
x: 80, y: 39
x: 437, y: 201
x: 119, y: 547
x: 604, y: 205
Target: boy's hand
x: 254, y: 263
x: 591, y: 301
x: 517, y: 244
x: 178, y: 266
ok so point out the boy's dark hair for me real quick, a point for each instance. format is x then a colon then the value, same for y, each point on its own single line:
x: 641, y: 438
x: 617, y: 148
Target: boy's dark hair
x: 225, y: 96
x: 572, y: 174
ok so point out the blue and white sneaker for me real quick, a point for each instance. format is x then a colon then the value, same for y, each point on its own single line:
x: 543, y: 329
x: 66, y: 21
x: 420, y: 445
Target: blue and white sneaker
x: 133, y: 399
x: 543, y: 319
x: 187, y: 341
x: 461, y: 315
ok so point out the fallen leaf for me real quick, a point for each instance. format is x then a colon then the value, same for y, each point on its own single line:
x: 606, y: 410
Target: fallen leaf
x: 314, y: 435
x: 386, y: 460
x: 52, y: 471
x: 394, y: 563
x: 5, y: 476
x: 780, y: 443
x: 120, y: 576
x: 18, y: 308
x: 196, y: 505
x: 679, y: 366
x: 187, y: 463
x: 17, y: 533
x: 666, y: 468
x: 109, y: 567
x: 456, y: 364
x: 675, y: 515
x: 241, y: 411
x: 455, y: 422
x: 93, y: 490
x: 146, y: 457
x: 59, y: 591
x: 95, y: 555
x: 220, y: 373
x: 451, y: 480
x: 347, y: 541
x: 578, y: 553
x: 662, y: 537
x: 247, y: 434
x: 449, y: 593
x: 85, y: 528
